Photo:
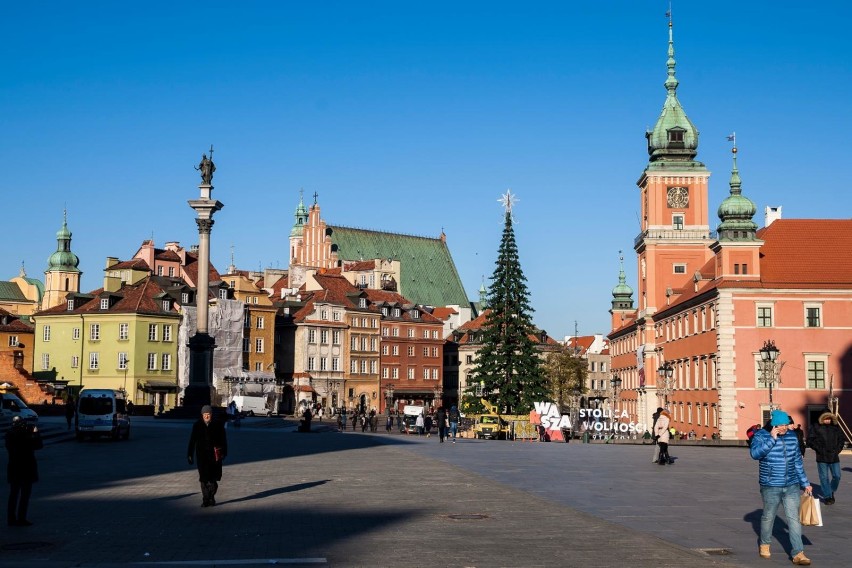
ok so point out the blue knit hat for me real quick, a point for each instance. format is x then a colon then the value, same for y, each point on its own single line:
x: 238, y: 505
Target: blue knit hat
x: 780, y: 418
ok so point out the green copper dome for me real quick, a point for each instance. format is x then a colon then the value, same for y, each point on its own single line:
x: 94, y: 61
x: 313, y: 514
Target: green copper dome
x: 736, y: 211
x: 63, y: 260
x: 674, y: 137
x: 622, y: 294
x: 301, y: 218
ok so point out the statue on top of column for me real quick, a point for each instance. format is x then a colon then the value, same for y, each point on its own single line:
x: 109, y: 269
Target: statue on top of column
x: 206, y: 167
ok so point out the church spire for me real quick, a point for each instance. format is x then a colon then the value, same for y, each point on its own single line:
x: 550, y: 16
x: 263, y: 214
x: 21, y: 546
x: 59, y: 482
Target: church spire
x: 301, y: 216
x: 63, y: 260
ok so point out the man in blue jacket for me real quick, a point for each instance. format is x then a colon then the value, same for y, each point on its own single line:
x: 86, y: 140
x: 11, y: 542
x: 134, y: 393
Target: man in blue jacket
x: 782, y: 475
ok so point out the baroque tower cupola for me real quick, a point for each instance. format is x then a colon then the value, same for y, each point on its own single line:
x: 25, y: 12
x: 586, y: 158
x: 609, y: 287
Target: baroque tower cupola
x: 737, y: 211
x: 62, y: 275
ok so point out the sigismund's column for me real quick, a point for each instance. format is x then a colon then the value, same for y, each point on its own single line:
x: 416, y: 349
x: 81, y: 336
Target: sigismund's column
x: 200, y: 389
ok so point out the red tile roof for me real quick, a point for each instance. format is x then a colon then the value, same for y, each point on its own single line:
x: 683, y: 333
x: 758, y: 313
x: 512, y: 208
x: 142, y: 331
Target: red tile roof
x: 136, y: 298
x: 167, y: 255
x: 359, y: 266
x: 443, y: 313
x: 14, y: 325
x: 134, y: 263
x: 808, y: 253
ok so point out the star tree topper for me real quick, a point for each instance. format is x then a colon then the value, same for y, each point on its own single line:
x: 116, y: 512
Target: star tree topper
x: 508, y: 201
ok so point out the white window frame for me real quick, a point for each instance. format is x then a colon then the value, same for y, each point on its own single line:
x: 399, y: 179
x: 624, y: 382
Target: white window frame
x: 122, y: 361
x: 260, y: 321
x: 94, y: 332
x: 812, y: 306
x: 167, y: 332
x: 335, y: 337
x: 94, y: 360
x: 312, y: 336
x: 816, y: 358
x: 335, y: 363
x: 75, y: 361
x: 45, y: 333
x: 75, y: 333
x: 152, y: 361
x: 411, y: 373
x: 258, y: 345
x: 395, y: 373
x: 166, y: 364
x: 679, y: 268
x: 153, y: 332
x: 123, y: 331
x: 45, y: 361
x: 762, y: 306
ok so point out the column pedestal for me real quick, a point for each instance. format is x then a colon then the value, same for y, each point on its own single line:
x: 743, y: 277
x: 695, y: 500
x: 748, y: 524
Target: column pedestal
x: 200, y: 390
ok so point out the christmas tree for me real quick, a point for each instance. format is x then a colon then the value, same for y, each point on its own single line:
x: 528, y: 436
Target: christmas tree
x: 508, y: 369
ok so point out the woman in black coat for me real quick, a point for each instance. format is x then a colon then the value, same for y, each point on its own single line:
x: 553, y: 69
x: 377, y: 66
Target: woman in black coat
x: 21, y: 443
x: 209, y: 444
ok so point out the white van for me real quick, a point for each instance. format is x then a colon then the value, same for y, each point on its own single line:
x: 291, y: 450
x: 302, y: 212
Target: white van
x: 11, y: 406
x: 102, y: 412
x: 252, y: 405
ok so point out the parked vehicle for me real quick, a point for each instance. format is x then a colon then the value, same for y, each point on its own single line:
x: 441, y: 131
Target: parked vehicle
x: 252, y: 405
x: 410, y: 413
x: 490, y: 427
x: 10, y: 406
x: 102, y: 412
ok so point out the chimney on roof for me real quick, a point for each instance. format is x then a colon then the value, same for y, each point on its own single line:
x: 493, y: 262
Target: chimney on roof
x: 194, y: 249
x: 111, y: 261
x: 173, y: 246
x: 771, y: 214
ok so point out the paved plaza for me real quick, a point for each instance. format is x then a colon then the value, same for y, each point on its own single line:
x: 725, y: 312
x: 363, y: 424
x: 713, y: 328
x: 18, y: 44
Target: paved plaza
x: 352, y: 499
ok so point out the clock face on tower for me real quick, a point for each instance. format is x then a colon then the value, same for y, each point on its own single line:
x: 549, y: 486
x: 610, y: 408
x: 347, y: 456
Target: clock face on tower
x: 678, y: 197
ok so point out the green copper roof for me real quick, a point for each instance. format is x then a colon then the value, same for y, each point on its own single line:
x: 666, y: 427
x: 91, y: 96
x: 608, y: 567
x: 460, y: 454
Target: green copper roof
x: 674, y: 137
x: 301, y: 218
x: 9, y: 291
x: 736, y: 212
x: 63, y: 260
x: 428, y: 274
x: 622, y: 294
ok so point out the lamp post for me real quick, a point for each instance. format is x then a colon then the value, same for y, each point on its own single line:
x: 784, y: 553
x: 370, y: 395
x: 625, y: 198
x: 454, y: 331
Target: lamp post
x: 389, y: 397
x: 769, y: 357
x: 615, y: 382
x: 438, y: 395
x: 665, y: 372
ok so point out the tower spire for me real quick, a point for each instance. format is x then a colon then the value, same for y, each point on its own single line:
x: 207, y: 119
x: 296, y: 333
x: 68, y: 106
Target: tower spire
x: 671, y: 80
x: 737, y: 211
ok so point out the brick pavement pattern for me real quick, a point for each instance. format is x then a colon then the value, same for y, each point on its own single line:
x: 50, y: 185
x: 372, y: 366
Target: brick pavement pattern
x: 377, y: 500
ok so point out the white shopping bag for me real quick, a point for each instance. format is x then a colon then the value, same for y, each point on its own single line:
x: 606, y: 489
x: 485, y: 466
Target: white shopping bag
x: 818, y: 511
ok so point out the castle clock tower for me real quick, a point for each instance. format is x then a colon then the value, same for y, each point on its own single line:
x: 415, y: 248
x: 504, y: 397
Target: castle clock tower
x: 675, y: 239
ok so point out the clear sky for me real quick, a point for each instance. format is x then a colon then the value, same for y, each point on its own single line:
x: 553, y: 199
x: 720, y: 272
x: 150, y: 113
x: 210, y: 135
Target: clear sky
x: 408, y: 117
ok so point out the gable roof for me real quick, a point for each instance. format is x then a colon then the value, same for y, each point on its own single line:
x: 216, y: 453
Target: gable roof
x: 144, y: 297
x: 13, y: 324
x: 428, y: 275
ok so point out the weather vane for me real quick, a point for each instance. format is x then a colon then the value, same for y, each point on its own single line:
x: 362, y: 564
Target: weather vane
x: 508, y: 201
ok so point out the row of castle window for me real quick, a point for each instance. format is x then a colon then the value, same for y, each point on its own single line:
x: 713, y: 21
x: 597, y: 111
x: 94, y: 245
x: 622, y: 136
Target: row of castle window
x: 393, y: 373
x: 164, y: 359
x: 394, y: 350
x: 410, y: 332
x: 123, y: 332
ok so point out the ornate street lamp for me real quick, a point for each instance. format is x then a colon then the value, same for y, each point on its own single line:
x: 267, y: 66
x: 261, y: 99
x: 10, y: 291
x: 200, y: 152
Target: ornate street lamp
x: 665, y: 372
x: 389, y: 397
x: 615, y: 382
x: 769, y: 357
x: 438, y: 392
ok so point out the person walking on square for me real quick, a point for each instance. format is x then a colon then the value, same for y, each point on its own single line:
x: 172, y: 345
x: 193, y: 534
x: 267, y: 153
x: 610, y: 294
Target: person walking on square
x: 427, y: 425
x: 826, y: 438
x: 453, y: 416
x: 208, y: 447
x: 663, y: 437
x: 441, y: 417
x: 420, y: 424
x: 22, y: 470
x: 70, y: 410
x: 656, y: 416
x: 781, y: 477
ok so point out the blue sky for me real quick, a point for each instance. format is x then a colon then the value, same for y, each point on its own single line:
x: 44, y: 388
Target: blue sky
x: 409, y: 118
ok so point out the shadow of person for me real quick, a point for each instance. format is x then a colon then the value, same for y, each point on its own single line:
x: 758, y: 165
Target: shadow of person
x: 780, y: 530
x: 277, y: 491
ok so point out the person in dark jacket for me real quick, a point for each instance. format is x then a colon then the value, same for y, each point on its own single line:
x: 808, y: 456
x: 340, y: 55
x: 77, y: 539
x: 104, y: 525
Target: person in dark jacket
x: 826, y: 438
x: 453, y: 417
x: 70, y: 410
x: 21, y: 442
x: 441, y: 418
x: 209, y: 445
x: 782, y: 475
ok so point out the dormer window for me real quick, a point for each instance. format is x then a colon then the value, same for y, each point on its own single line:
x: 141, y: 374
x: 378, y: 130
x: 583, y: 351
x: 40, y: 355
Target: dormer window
x: 223, y: 294
x: 184, y: 298
x: 396, y: 312
x: 384, y: 312
x: 415, y: 314
x: 71, y: 304
x: 166, y: 305
x: 675, y: 135
x: 362, y: 302
x: 104, y: 303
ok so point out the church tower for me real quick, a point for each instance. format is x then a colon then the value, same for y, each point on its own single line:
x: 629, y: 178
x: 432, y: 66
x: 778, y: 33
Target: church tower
x: 298, y: 231
x: 675, y: 237
x: 62, y: 275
